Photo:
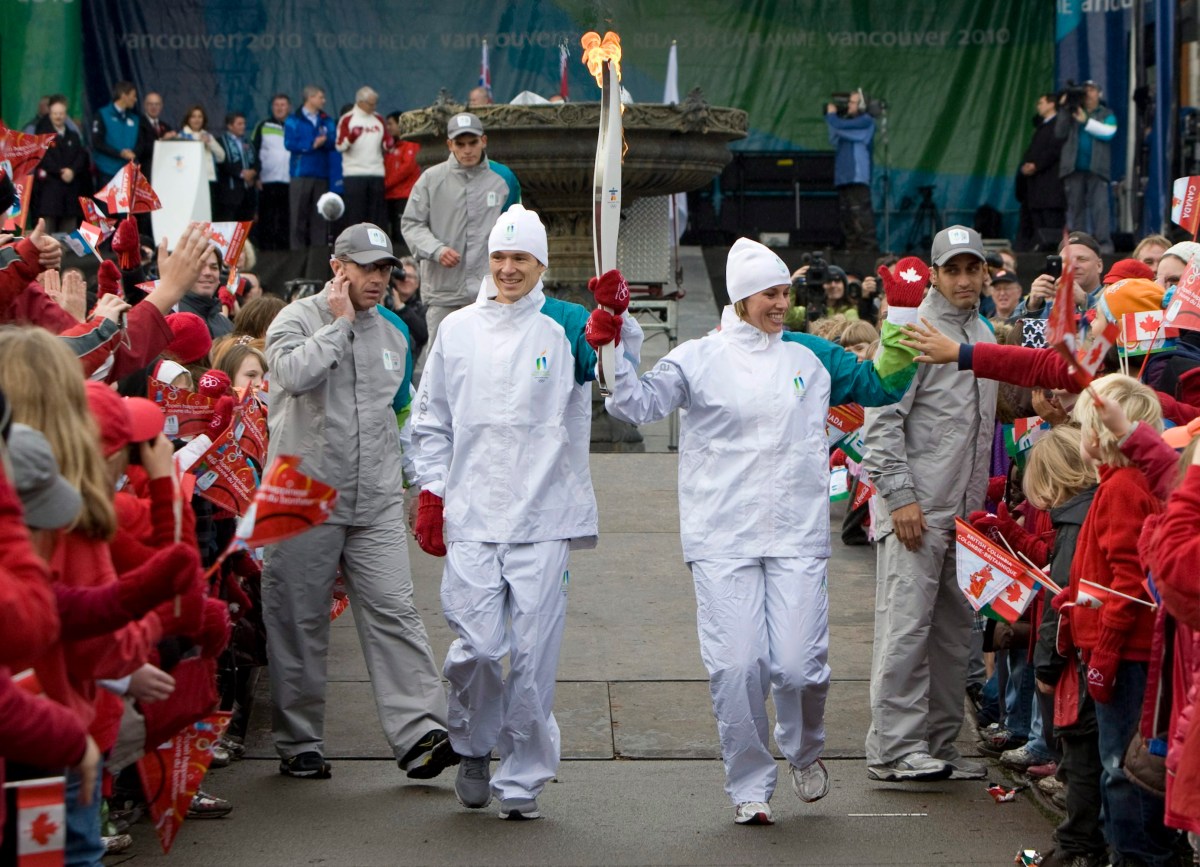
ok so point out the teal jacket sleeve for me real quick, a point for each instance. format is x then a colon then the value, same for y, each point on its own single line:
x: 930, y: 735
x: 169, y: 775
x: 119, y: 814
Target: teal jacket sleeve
x: 573, y: 319
x: 877, y: 383
x: 404, y: 392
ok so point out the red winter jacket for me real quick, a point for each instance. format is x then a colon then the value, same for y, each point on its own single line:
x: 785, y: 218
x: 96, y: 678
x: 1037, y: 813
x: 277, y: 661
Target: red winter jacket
x: 1044, y: 368
x: 18, y: 266
x: 400, y: 169
x: 28, y: 612
x: 1107, y: 554
x: 1171, y: 551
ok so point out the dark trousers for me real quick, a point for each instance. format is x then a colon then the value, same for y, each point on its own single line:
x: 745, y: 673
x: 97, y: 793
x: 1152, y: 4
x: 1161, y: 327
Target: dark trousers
x: 857, y: 217
x: 307, y: 226
x: 271, y: 230
x: 364, y: 201
x: 1080, y: 832
x: 395, y: 210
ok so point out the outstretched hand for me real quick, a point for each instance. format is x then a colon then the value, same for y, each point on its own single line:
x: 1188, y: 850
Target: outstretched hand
x: 935, y: 347
x: 179, y: 269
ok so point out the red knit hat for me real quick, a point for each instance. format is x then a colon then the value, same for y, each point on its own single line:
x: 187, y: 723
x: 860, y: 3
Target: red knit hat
x: 1123, y: 269
x: 122, y: 420
x: 192, y: 340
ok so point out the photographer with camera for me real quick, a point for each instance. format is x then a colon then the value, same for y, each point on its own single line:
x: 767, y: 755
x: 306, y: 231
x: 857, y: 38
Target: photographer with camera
x: 1088, y: 126
x: 820, y: 290
x: 1088, y: 268
x: 852, y: 134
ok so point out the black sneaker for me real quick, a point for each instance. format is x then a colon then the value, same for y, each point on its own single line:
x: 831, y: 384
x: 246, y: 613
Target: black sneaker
x: 308, y: 766
x: 431, y: 755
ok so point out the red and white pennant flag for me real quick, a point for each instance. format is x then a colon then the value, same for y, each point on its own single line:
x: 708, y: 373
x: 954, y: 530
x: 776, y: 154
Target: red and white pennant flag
x: 40, y: 821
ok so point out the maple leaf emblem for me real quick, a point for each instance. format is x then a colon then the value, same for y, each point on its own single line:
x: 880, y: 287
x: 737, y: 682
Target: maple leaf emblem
x: 910, y: 275
x: 1151, y: 323
x: 1014, y: 592
x: 42, y: 829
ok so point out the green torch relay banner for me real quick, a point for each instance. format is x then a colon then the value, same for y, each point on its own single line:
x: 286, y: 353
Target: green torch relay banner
x: 959, y: 77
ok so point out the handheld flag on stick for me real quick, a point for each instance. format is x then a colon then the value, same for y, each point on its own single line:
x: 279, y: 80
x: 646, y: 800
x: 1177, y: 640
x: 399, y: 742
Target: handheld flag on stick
x: 485, y: 70
x: 286, y: 504
x: 128, y: 193
x: 1185, y: 204
x: 995, y: 584
x: 172, y: 773
x: 22, y: 151
x: 230, y: 238
x: 1184, y: 310
x: 41, y: 827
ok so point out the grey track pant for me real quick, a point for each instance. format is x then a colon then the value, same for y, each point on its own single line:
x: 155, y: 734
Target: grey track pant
x: 297, y: 585
x: 922, y: 645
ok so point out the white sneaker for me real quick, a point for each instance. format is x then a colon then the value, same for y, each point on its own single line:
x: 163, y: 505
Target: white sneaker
x: 811, y: 783
x: 965, y: 769
x: 753, y: 813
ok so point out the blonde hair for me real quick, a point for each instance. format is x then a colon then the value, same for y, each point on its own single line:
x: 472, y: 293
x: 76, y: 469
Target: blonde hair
x: 1055, y: 470
x: 44, y: 385
x: 1138, y: 401
x: 858, y: 331
x: 830, y: 327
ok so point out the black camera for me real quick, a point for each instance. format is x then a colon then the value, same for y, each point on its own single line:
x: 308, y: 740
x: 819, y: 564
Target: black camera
x: 1053, y: 266
x: 841, y: 101
x: 854, y: 291
x: 398, y: 273
x: 1072, y: 96
x: 818, y: 269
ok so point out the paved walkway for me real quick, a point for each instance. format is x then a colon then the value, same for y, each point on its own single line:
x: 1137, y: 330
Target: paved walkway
x: 641, y: 783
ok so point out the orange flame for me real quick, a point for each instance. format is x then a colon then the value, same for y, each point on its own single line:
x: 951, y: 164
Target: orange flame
x: 597, y: 50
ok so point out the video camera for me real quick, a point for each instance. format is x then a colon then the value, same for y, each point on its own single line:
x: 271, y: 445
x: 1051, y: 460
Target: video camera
x: 1072, y: 96
x: 873, y: 107
x: 810, y: 289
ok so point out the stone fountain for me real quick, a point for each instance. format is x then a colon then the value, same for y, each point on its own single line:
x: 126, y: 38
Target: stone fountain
x: 552, y: 150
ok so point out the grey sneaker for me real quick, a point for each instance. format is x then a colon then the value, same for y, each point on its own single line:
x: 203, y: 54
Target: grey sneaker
x: 918, y: 766
x: 811, y: 783
x: 965, y: 769
x: 1022, y: 757
x: 473, y: 785
x: 519, y: 808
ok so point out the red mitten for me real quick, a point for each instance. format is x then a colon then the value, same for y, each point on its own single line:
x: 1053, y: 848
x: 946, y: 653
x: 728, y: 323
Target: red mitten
x: 611, y: 291
x: 1102, y: 667
x: 995, y: 489
x: 602, y: 327
x: 905, y: 288
x: 213, y: 635
x: 127, y: 244
x: 222, y: 418
x: 837, y: 459
x: 191, y: 612
x: 244, y: 565
x: 239, y: 600
x: 355, y: 133
x: 226, y: 298
x: 214, y: 383
x: 428, y: 529
x: 170, y: 572
x: 108, y: 279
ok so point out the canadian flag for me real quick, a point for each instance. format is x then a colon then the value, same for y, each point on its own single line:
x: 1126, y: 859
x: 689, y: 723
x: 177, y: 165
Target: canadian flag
x: 41, y: 821
x: 230, y: 238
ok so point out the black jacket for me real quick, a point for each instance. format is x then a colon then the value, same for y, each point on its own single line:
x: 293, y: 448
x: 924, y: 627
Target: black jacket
x: 208, y: 309
x: 1043, y: 189
x: 52, y: 196
x: 1067, y: 520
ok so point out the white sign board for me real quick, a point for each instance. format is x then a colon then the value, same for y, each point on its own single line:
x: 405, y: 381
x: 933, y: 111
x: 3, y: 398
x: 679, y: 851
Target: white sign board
x: 179, y: 179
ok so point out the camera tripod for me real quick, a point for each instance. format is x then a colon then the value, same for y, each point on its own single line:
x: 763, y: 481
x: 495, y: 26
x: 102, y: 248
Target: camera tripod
x: 926, y: 221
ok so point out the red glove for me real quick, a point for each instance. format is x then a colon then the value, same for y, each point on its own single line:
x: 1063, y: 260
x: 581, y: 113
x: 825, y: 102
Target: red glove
x: 214, y: 383
x: 428, y: 529
x: 1102, y: 667
x: 611, y: 291
x: 905, y: 284
x: 995, y: 489
x: 169, y: 573
x: 222, y: 418
x: 244, y: 565
x: 191, y: 612
x: 602, y: 327
x: 837, y: 459
x: 239, y: 600
x: 1001, y: 521
x: 108, y: 279
x: 355, y: 133
x: 226, y: 298
x: 127, y: 244
x: 213, y: 635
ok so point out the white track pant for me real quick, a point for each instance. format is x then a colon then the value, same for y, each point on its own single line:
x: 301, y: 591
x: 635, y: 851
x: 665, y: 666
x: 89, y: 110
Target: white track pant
x: 506, y: 599
x: 764, y: 626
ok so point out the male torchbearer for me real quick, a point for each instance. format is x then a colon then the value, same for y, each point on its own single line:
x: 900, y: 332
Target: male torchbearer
x: 501, y: 430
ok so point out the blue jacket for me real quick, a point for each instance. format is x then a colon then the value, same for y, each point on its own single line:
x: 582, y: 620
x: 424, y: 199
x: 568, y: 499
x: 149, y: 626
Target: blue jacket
x: 852, y: 137
x: 299, y: 133
x: 112, y: 132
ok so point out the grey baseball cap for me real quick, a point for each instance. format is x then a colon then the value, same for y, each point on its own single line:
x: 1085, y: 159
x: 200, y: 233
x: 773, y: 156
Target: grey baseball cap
x: 464, y: 124
x: 364, y: 244
x: 950, y: 242
x: 48, y: 499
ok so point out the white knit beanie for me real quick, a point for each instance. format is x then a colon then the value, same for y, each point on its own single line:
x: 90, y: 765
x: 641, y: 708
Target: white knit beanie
x: 519, y: 229
x: 751, y: 268
x: 1183, y: 251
